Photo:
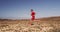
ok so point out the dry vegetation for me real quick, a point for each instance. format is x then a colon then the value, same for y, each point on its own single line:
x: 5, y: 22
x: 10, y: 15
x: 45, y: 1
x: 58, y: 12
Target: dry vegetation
x: 51, y: 24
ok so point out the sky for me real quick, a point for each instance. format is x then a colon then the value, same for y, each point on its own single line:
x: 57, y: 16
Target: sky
x: 20, y: 9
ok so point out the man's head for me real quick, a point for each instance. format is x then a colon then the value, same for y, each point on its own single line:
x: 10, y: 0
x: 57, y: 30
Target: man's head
x: 31, y: 10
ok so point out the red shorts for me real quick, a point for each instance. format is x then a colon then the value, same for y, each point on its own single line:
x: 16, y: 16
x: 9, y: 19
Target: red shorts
x: 33, y: 17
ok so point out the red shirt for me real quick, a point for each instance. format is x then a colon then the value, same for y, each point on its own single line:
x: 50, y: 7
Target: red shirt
x: 32, y: 13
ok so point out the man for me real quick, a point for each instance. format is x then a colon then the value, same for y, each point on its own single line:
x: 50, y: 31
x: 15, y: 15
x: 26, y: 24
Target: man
x: 32, y: 17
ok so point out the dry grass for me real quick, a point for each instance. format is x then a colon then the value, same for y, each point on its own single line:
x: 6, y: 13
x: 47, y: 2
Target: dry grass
x: 43, y: 25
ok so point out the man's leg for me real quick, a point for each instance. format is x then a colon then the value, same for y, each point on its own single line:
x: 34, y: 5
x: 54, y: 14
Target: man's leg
x: 32, y: 20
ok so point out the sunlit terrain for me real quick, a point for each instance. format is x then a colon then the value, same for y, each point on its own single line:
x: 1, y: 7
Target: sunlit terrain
x: 49, y: 24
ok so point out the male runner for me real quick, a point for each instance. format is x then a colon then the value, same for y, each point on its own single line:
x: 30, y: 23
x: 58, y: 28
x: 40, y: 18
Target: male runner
x: 32, y: 16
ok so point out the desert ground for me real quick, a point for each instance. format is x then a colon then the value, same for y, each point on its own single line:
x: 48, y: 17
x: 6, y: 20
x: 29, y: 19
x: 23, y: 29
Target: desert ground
x: 49, y: 24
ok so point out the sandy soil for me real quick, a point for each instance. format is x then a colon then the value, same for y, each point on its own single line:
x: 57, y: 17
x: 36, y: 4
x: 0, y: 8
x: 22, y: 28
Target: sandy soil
x: 24, y: 26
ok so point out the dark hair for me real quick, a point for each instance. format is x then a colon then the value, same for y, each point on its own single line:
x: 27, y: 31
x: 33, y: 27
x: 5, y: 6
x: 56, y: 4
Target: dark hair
x: 31, y: 9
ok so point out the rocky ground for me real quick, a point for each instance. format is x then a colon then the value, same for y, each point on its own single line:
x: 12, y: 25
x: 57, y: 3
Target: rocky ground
x: 23, y: 26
